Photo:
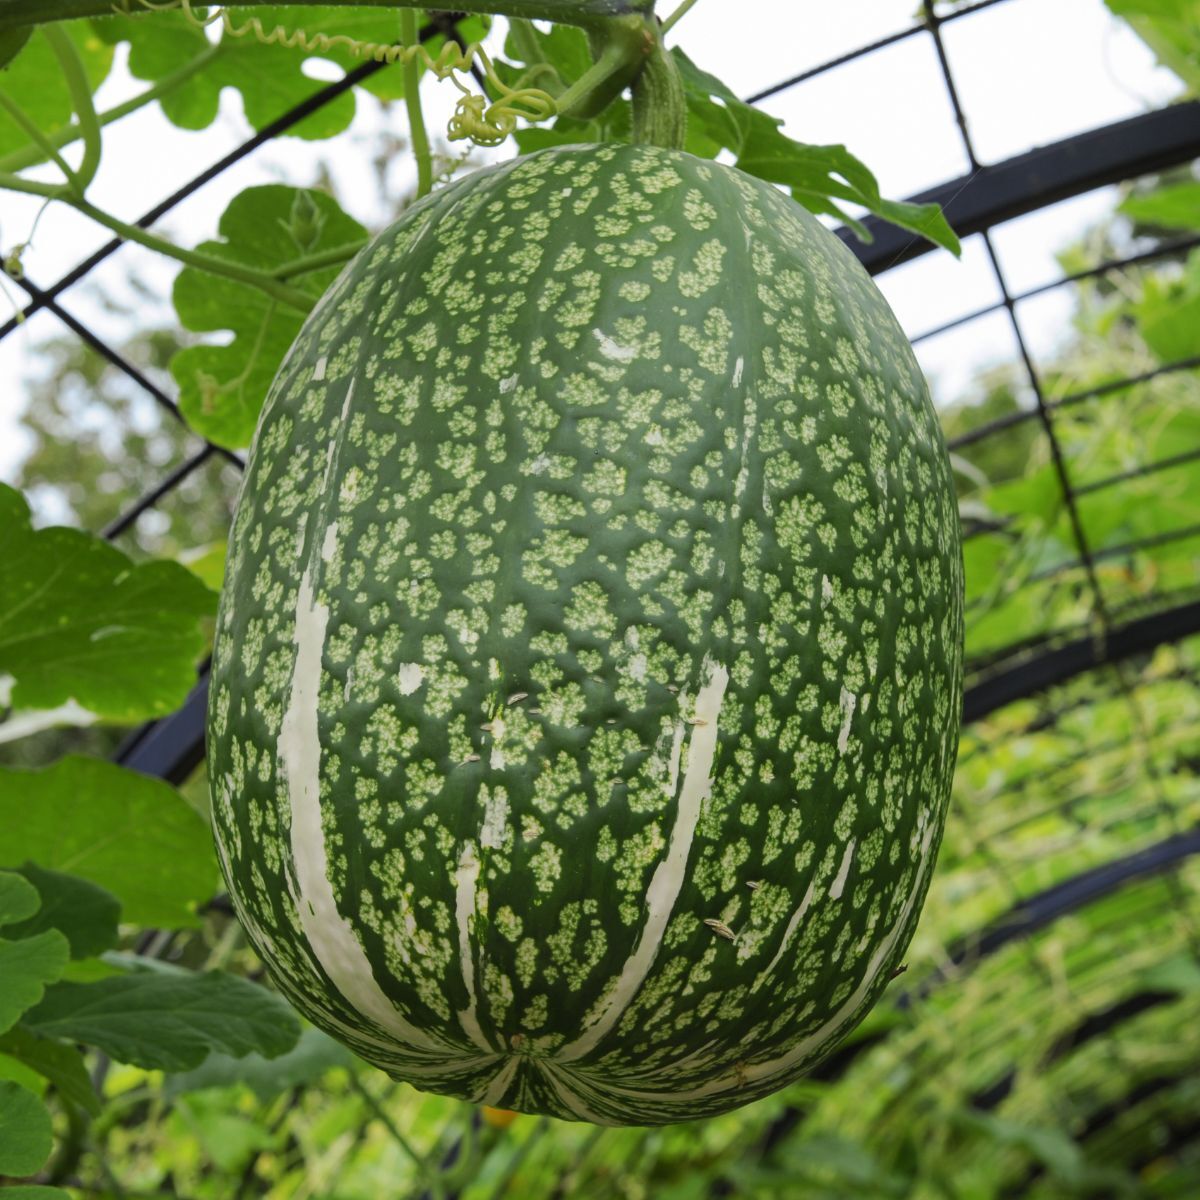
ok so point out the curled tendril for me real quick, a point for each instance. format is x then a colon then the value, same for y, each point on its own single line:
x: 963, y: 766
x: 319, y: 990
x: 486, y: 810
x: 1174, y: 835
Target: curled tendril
x: 484, y: 123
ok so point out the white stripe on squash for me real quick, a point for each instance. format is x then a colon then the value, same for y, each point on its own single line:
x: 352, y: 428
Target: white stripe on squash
x: 668, y: 877
x: 330, y: 936
x: 804, y: 1049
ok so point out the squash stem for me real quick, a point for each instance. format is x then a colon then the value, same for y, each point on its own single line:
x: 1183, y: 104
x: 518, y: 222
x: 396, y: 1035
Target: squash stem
x: 412, y: 102
x: 302, y: 302
x: 682, y: 11
x: 80, y: 89
x: 31, y: 156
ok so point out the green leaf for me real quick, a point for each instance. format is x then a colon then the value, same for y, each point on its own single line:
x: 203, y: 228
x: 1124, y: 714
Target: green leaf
x: 1168, y: 314
x: 12, y: 41
x: 56, y: 1061
x: 26, y: 1136
x: 1180, y: 974
x: 34, y: 80
x: 25, y: 969
x: 313, y: 1055
x: 222, y: 388
x: 19, y: 899
x: 133, y: 835
x: 1171, y: 28
x: 81, y: 624
x: 36, y: 1191
x: 85, y: 914
x: 269, y: 78
x: 1174, y: 207
x: 168, y: 1022
x: 819, y: 177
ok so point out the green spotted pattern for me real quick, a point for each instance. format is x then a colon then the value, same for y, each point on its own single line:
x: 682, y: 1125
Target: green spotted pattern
x: 588, y: 673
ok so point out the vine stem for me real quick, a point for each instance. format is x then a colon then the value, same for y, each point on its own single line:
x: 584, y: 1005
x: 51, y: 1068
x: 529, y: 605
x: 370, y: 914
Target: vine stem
x: 35, y: 135
x: 29, y: 156
x: 682, y: 11
x: 80, y: 90
x: 412, y: 102
x: 588, y: 14
x: 614, y: 57
x: 333, y: 257
x: 428, y: 1174
x: 294, y: 298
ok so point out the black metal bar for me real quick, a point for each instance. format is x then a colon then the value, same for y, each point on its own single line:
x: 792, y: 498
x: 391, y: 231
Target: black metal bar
x: 1164, y: 250
x: 999, y: 192
x: 1146, y: 469
x: 1182, y: 534
x: 1085, y: 654
x: 44, y: 300
x: 155, y: 494
x: 1054, y: 902
x: 173, y: 747
x: 862, y: 51
x: 1071, y: 398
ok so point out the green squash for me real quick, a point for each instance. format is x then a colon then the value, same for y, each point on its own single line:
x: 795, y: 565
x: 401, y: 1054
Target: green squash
x: 588, y: 673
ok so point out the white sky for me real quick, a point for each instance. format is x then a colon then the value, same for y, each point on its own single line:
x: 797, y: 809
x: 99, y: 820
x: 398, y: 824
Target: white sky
x: 1028, y: 72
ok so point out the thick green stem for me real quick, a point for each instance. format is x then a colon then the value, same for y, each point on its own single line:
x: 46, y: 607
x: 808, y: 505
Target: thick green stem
x: 412, y: 102
x: 622, y: 47
x: 36, y: 136
x: 659, y: 102
x: 334, y: 257
x: 292, y: 297
x: 682, y: 11
x: 585, y: 13
x: 32, y: 156
x: 71, y: 66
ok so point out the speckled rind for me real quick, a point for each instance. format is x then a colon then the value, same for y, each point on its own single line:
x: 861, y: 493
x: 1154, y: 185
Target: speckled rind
x: 588, y: 673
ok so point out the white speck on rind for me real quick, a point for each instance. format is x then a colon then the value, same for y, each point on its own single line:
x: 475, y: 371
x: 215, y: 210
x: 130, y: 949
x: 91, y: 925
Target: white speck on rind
x: 826, y: 590
x: 410, y: 676
x: 540, y: 464
x: 668, y: 877
x: 507, y: 385
x: 637, y: 667
x: 738, y: 367
x: 839, y: 884
x: 319, y: 369
x: 846, y: 702
x: 495, y: 820
x: 793, y: 922
x: 773, y: 1068
x: 614, y: 350
x: 329, y: 541
x: 497, y: 760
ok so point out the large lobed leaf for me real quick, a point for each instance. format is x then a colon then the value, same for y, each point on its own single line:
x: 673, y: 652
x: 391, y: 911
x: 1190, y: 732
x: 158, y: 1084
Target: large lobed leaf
x: 130, y: 834
x: 27, y: 964
x: 80, y: 622
x: 86, y: 915
x: 269, y: 78
x: 25, y: 1131
x: 60, y: 1064
x: 222, y: 388
x: 822, y: 178
x: 309, y: 1059
x: 168, y: 1021
x: 34, y: 80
